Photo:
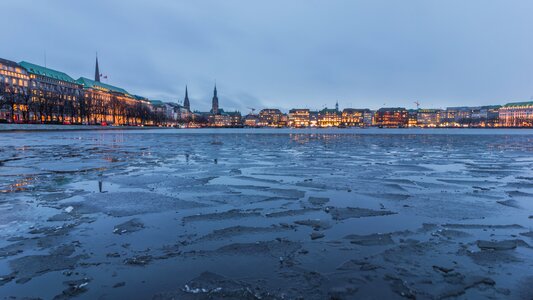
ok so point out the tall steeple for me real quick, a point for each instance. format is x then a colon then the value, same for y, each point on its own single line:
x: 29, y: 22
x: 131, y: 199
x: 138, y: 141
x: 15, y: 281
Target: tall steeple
x: 186, y: 102
x: 97, y: 71
x: 214, y: 108
x: 337, y: 106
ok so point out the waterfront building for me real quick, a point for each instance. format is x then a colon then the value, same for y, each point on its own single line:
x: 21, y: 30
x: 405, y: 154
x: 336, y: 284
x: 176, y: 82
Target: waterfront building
x: 313, y: 118
x: 251, y: 120
x: 284, y: 121
x: 33, y: 93
x: 171, y: 115
x: 201, y: 119
x: 182, y: 114
x: 516, y: 114
x: 391, y: 117
x: 329, y: 117
x: 428, y: 117
x: 226, y: 119
x: 157, y: 106
x: 107, y: 104
x: 368, y: 118
x: 235, y: 118
x: 485, y: 116
x: 271, y: 117
x: 220, y: 120
x: 352, y: 117
x: 54, y: 95
x: 141, y: 112
x: 299, y: 117
x: 457, y: 116
x: 412, y: 115
x: 14, y: 92
x: 465, y: 116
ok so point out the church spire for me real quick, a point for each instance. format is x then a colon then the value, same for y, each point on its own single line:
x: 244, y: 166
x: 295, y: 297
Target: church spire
x: 186, y: 102
x: 97, y: 71
x: 214, y: 108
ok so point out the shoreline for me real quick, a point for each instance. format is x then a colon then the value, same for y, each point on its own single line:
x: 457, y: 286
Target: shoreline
x: 13, y: 128
x: 6, y: 127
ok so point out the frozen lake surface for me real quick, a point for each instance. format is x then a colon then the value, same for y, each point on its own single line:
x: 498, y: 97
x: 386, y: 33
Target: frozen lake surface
x: 267, y: 214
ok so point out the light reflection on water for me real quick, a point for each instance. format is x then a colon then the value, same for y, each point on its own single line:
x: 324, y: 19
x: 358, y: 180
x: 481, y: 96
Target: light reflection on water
x: 263, y: 180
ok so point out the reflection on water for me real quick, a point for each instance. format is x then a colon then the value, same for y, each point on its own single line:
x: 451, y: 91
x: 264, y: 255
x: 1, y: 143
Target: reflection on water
x: 342, y: 214
x: 20, y: 184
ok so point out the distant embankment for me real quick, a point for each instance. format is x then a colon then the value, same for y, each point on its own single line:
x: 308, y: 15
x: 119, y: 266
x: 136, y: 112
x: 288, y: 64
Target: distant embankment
x: 50, y: 127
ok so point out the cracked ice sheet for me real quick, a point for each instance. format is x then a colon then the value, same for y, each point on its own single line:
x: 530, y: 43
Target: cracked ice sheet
x: 415, y: 208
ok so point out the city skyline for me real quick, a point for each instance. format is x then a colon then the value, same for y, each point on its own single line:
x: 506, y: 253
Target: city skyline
x: 258, y: 62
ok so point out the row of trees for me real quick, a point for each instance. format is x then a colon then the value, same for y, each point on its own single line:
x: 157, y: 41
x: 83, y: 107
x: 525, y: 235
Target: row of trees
x: 54, y: 104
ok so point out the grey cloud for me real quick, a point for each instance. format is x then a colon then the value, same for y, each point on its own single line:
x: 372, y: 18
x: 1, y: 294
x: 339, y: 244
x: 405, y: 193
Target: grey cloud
x: 363, y: 53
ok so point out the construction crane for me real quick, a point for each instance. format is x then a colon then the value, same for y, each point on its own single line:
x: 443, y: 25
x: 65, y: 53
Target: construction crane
x: 252, y: 109
x: 417, y: 104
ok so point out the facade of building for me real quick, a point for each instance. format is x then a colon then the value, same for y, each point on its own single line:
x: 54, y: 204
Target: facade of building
x: 485, y: 116
x: 428, y: 117
x: 226, y: 119
x: 14, y: 91
x: 517, y: 114
x: 251, y: 120
x: 352, y: 117
x: 313, y: 118
x: 299, y: 118
x: 271, y: 117
x: 329, y: 118
x: 479, y: 116
x: 220, y: 120
x: 391, y: 117
x: 456, y: 116
x: 412, y: 118
x: 33, y: 93
x: 107, y: 104
x: 54, y: 95
x: 36, y: 94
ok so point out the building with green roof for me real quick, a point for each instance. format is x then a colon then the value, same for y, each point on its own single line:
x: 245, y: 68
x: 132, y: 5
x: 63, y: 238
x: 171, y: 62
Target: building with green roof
x: 519, y: 104
x: 58, y: 90
x: 88, y: 83
x: 156, y: 102
x: 37, y: 70
x: 516, y: 114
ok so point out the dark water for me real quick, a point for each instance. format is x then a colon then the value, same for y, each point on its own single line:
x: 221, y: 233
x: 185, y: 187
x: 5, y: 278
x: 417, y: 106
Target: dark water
x: 267, y: 214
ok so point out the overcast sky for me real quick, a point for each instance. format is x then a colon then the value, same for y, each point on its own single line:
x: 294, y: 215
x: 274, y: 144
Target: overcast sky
x: 286, y: 53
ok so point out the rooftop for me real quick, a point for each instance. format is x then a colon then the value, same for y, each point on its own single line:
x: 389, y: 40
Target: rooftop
x: 294, y: 110
x: 156, y: 102
x: 233, y: 113
x: 429, y: 110
x: 88, y: 83
x: 270, y: 111
x: 329, y: 111
x: 519, y: 104
x: 350, y: 110
x: 8, y: 63
x: 40, y: 70
x: 391, y: 109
